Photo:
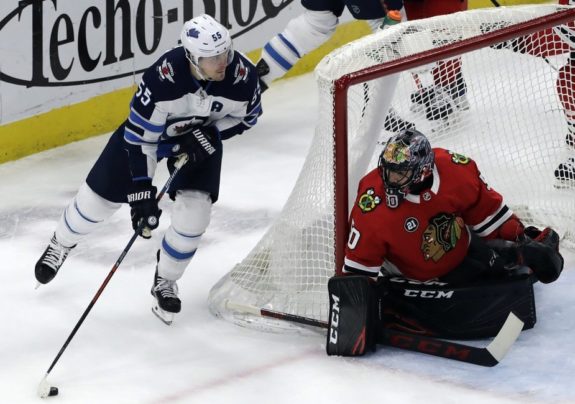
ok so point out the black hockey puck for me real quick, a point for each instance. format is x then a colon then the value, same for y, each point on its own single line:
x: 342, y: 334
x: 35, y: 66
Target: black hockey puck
x: 53, y: 391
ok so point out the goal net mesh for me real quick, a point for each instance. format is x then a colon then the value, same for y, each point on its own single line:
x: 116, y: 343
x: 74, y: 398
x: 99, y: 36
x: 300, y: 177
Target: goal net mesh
x: 501, y: 104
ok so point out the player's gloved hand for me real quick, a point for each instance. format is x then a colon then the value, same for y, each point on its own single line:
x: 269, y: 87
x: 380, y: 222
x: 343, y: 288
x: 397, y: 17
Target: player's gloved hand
x: 539, y: 250
x: 200, y: 143
x: 142, y: 200
x: 547, y: 236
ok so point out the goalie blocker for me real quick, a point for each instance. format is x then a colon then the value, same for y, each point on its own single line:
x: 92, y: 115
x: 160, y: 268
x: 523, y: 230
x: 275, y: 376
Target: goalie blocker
x: 361, y: 311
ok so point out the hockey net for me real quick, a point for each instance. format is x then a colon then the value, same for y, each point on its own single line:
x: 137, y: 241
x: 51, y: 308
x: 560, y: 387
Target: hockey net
x: 506, y: 113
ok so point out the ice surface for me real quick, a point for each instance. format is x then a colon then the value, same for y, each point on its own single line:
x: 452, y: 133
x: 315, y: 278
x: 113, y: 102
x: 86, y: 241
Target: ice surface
x: 123, y: 354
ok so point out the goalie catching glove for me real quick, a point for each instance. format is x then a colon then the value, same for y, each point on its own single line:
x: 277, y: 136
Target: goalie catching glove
x: 199, y: 143
x: 142, y: 200
x: 539, y: 250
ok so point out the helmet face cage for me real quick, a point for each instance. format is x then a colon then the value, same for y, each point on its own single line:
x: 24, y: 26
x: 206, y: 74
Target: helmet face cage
x: 204, y: 37
x: 406, y: 160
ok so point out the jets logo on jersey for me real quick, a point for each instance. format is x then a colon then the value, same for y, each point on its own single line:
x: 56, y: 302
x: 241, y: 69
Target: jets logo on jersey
x: 241, y: 72
x: 441, y: 236
x: 368, y: 201
x: 459, y: 158
x: 183, y: 125
x: 166, y: 71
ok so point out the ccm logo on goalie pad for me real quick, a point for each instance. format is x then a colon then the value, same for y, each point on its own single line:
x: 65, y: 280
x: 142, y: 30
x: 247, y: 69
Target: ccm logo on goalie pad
x: 334, y: 320
x: 429, y: 294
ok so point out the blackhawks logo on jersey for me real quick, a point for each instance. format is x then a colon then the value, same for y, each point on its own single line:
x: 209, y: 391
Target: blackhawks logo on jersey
x: 441, y: 235
x: 368, y: 201
x: 459, y: 158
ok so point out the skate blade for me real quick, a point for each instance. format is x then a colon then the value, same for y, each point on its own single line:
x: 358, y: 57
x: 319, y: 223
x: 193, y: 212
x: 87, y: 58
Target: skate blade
x: 563, y: 184
x: 164, y: 316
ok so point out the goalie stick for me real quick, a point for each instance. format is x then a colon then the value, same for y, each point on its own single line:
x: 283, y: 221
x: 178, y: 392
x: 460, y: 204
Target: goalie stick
x: 489, y: 356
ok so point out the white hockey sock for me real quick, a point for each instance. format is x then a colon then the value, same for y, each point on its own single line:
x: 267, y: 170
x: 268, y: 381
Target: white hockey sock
x: 82, y: 215
x: 302, y: 35
x: 190, y: 218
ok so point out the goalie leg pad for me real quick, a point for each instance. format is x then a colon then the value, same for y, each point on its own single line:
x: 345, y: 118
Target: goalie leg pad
x: 352, y: 321
x: 470, y: 311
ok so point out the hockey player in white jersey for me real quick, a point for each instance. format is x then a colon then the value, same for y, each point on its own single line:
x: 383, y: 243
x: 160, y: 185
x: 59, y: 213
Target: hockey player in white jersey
x: 193, y: 97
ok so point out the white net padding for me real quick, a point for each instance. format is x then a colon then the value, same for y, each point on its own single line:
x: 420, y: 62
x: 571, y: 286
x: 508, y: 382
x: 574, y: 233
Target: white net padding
x: 505, y: 113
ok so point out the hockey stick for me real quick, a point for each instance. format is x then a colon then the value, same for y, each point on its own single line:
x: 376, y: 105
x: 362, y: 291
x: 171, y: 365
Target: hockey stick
x: 45, y: 389
x: 488, y: 356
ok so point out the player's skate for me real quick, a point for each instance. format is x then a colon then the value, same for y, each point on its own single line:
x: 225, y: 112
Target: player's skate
x: 50, y: 262
x: 439, y: 105
x: 565, y: 174
x: 166, y: 301
x: 570, y: 138
x: 395, y: 123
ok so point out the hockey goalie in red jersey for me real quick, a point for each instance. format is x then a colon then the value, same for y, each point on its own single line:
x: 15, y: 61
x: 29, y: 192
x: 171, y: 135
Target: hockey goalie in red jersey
x: 423, y: 212
x: 434, y: 250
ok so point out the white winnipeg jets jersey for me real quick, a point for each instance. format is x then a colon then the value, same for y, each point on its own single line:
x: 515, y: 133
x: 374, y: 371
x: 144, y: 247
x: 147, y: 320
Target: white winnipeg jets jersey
x: 171, y: 102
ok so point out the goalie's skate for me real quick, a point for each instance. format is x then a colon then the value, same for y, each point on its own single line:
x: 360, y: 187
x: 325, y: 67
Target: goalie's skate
x: 166, y: 301
x: 51, y: 261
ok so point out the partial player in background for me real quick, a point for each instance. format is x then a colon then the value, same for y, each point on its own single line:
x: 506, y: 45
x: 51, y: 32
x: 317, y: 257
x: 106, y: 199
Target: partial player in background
x: 311, y: 29
x: 442, y: 237
x: 552, y: 42
x: 317, y: 24
x: 192, y: 98
x: 448, y: 93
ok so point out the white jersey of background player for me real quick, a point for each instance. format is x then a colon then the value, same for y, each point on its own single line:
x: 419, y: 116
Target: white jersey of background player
x: 193, y: 97
x: 312, y: 28
x: 318, y: 22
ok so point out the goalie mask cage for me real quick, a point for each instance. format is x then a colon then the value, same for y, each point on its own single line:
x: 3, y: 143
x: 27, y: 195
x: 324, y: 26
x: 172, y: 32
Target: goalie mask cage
x: 506, y: 113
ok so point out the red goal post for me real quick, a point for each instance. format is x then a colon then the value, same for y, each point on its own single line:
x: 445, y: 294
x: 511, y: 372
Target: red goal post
x: 505, y: 112
x: 341, y: 85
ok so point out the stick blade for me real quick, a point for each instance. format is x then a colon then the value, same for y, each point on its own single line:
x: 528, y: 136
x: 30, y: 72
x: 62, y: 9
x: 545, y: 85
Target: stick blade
x: 508, y: 334
x: 44, y: 388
